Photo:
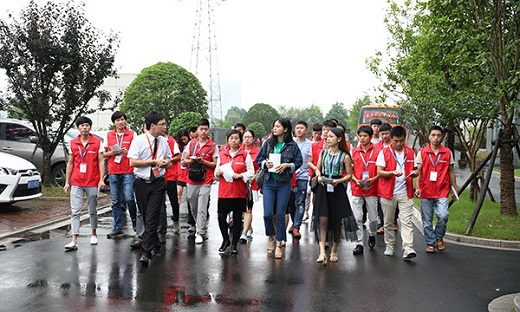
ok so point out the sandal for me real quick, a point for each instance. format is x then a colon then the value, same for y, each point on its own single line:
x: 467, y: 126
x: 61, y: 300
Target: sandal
x: 430, y: 249
x: 270, y: 247
x: 440, y: 244
x: 333, y: 257
x: 322, y: 259
x: 278, y: 254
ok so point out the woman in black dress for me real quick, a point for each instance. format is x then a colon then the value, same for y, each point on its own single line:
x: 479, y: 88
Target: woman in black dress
x: 332, y: 208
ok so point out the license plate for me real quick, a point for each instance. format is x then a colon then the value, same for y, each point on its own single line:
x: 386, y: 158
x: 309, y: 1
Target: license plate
x: 33, y: 184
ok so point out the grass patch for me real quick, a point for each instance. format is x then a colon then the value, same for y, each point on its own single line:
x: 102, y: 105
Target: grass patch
x: 490, y: 223
x: 54, y: 191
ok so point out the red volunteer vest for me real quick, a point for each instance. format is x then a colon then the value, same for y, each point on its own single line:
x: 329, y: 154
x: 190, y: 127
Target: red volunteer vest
x: 172, y: 172
x: 386, y: 185
x: 199, y: 151
x: 441, y: 187
x: 237, y: 188
x: 253, y: 153
x: 360, y: 157
x: 124, y: 165
x: 90, y: 153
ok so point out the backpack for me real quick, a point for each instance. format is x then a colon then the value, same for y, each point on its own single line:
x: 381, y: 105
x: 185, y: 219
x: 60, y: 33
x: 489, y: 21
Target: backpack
x: 197, y: 171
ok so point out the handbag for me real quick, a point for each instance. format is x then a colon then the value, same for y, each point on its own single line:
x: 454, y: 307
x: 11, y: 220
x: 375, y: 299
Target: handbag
x: 260, y: 178
x: 313, y: 182
x: 197, y: 171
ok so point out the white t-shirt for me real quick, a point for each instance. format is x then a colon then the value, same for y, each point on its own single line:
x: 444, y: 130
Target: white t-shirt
x: 400, y: 181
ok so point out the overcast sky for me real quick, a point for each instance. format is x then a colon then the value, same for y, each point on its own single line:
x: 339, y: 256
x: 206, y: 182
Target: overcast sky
x: 280, y: 52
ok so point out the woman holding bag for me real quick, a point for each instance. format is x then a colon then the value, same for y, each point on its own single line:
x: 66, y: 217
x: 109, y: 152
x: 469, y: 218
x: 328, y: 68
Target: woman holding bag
x: 281, y: 157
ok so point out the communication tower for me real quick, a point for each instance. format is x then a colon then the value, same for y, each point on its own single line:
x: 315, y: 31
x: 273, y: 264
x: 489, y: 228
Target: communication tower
x: 204, y: 60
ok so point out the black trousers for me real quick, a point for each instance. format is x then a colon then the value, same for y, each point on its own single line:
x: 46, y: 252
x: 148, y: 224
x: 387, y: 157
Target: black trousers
x: 150, y: 198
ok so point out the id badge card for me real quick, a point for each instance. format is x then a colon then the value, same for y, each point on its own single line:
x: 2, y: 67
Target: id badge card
x: 118, y: 158
x: 155, y: 171
x: 83, y: 168
x: 364, y: 175
x: 330, y: 188
x: 433, y: 176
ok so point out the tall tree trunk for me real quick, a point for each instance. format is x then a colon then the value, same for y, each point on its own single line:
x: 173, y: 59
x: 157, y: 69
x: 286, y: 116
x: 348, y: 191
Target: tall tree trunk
x: 507, y: 177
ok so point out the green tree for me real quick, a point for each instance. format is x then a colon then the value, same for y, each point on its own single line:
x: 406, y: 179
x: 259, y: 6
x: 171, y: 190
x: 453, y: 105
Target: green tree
x: 339, y: 112
x: 355, y: 110
x: 312, y: 115
x: 265, y: 114
x: 55, y: 60
x: 258, y: 129
x: 234, y: 115
x: 184, y: 120
x: 165, y: 87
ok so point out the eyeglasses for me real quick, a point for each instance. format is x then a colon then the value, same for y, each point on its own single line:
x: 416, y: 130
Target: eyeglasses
x: 247, y: 137
x: 163, y: 124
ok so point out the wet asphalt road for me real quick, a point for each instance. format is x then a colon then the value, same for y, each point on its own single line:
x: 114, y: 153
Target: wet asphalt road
x: 40, y: 276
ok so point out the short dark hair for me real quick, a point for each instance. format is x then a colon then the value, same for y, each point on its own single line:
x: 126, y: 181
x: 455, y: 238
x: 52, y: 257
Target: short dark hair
x: 203, y: 122
x: 342, y: 126
x: 317, y: 127
x: 301, y: 122
x: 234, y: 131
x: 398, y: 131
x: 329, y: 123
x: 376, y: 121
x: 385, y: 127
x: 153, y: 117
x: 193, y: 129
x: 116, y: 115
x: 367, y: 129
x: 83, y: 119
x: 436, y: 127
x: 240, y: 125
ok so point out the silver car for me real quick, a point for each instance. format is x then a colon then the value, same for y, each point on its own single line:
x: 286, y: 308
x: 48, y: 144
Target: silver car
x: 17, y: 137
x: 19, y: 179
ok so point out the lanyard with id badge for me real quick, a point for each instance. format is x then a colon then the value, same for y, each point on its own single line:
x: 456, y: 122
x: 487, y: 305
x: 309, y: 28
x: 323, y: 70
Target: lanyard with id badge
x: 365, y: 174
x: 330, y: 187
x: 154, y: 170
x: 119, y: 142
x: 82, y: 154
x: 434, y: 173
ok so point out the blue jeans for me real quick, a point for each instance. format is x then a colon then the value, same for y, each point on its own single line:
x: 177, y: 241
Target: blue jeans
x: 122, y: 188
x: 428, y: 207
x: 276, y: 192
x: 299, y: 203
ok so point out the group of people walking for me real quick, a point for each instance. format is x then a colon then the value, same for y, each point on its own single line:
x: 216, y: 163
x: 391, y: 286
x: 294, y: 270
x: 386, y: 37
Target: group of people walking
x: 324, y: 172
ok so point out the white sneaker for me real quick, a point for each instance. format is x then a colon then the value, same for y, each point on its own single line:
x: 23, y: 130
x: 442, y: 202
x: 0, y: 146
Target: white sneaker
x: 408, y: 253
x: 198, y: 239
x: 71, y: 246
x: 176, y: 227
x: 243, y: 238
x: 93, y: 240
x: 389, y: 251
x: 250, y: 233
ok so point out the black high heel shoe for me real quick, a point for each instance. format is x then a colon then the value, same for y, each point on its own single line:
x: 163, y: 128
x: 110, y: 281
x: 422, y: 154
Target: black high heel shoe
x: 224, y: 246
x: 234, y: 250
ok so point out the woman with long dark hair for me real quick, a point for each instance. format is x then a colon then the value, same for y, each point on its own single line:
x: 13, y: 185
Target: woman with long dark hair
x: 281, y: 157
x: 331, y: 206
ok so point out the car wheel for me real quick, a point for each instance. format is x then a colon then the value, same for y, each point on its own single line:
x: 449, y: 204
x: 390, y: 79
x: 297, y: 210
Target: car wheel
x: 58, y: 175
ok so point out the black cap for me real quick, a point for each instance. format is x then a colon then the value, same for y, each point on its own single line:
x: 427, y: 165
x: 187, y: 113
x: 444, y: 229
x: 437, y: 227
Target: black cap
x: 376, y: 121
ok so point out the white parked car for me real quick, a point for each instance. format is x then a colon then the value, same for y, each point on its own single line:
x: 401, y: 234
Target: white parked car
x: 19, y: 179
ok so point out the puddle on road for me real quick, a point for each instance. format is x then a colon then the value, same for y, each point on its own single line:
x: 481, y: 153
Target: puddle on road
x: 177, y: 295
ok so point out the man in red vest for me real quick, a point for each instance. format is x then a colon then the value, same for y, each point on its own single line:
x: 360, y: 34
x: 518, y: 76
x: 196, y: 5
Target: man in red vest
x: 85, y: 170
x: 395, y: 168
x: 121, y: 174
x: 436, y: 176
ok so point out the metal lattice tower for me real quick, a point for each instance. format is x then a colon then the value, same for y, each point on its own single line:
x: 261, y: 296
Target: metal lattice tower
x: 204, y: 60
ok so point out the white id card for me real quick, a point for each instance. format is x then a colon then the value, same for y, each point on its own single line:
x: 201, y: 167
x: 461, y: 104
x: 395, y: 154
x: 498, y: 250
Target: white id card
x: 83, y: 168
x: 330, y: 188
x: 364, y: 175
x: 118, y: 158
x: 433, y: 176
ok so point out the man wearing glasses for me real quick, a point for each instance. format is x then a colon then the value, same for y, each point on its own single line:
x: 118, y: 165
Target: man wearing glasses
x: 150, y: 156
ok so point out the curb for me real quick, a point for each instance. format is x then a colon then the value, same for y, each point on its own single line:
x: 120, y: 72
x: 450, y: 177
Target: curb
x: 52, y: 224
x: 469, y: 240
